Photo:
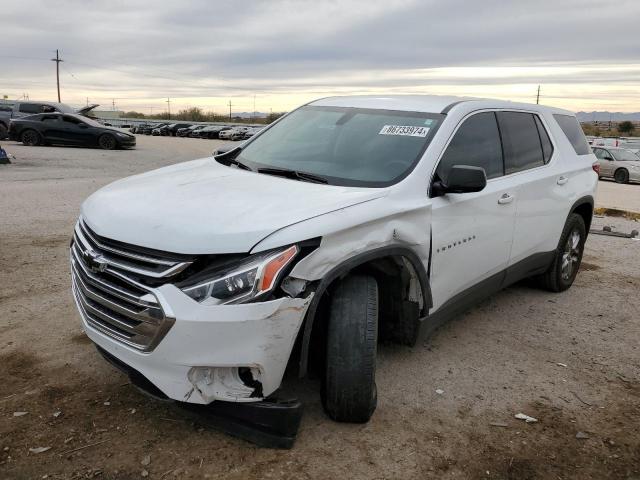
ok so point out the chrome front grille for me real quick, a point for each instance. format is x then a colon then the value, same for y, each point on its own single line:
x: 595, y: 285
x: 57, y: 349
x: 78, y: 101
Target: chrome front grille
x: 108, y: 285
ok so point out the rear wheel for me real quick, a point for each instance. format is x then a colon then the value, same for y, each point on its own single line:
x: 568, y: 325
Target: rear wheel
x: 30, y: 138
x: 621, y: 176
x: 107, y: 142
x: 568, y: 256
x: 349, y: 391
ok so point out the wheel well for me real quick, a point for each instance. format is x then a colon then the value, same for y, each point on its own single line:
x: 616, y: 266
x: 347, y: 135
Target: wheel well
x: 28, y: 129
x: 585, y: 210
x: 401, y: 300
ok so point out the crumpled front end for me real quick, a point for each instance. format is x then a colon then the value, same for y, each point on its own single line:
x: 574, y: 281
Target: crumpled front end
x: 235, y: 353
x: 190, y: 351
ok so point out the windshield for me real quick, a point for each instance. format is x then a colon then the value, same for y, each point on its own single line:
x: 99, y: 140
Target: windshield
x: 625, y: 156
x: 347, y: 146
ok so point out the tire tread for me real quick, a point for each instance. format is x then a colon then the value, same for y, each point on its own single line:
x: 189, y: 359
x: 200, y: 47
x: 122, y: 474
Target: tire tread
x: 350, y: 389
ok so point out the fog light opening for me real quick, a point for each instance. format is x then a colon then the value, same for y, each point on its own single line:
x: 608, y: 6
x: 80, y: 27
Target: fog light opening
x: 246, y: 374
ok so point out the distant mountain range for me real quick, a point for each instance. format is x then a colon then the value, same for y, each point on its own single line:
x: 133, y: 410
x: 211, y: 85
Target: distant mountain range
x: 249, y: 114
x: 606, y: 116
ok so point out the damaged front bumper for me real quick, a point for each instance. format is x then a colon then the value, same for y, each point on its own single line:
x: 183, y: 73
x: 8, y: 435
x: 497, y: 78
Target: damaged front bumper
x: 269, y: 423
x: 231, y: 353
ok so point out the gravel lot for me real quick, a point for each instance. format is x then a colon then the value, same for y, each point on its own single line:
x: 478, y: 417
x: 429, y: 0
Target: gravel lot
x: 571, y: 360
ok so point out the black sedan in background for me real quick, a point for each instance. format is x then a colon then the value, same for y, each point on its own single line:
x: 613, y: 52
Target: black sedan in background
x: 67, y: 129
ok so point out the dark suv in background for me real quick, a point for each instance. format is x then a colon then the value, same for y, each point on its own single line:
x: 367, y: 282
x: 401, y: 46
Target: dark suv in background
x: 16, y: 109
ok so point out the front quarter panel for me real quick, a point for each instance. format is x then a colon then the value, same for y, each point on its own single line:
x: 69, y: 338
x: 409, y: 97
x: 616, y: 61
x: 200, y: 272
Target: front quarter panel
x: 348, y: 232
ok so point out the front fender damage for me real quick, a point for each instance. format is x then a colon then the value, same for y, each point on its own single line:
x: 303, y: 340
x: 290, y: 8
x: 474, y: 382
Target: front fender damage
x: 250, y: 381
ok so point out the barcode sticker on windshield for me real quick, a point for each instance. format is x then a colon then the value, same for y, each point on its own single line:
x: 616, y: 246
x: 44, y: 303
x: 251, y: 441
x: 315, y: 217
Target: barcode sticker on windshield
x: 404, y: 130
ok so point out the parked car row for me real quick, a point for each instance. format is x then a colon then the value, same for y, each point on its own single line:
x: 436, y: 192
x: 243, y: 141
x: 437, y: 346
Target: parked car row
x: 224, y: 132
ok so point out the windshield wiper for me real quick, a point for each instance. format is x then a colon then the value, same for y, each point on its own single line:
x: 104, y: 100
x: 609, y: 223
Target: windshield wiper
x: 232, y: 161
x: 293, y: 174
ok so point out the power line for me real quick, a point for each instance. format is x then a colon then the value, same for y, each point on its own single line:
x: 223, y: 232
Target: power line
x: 69, y: 72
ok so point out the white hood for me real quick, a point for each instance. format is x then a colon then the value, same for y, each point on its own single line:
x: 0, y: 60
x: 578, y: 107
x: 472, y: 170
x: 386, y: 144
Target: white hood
x: 202, y: 207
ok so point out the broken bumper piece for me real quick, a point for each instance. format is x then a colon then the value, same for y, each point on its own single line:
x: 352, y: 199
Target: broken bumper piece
x: 232, y: 353
x: 271, y: 423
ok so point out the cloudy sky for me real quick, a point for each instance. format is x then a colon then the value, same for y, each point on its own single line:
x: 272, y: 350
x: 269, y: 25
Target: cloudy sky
x: 281, y: 53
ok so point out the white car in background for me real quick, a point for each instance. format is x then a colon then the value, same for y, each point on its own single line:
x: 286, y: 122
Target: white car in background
x: 621, y: 164
x: 348, y: 221
x: 235, y: 133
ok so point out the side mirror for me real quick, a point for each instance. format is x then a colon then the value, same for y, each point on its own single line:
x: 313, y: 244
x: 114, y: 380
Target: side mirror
x: 461, y: 179
x: 226, y: 148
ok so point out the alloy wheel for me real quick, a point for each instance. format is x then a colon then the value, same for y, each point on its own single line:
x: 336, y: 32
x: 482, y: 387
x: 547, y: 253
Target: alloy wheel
x: 621, y: 176
x: 107, y: 142
x: 30, y: 138
x: 571, y: 255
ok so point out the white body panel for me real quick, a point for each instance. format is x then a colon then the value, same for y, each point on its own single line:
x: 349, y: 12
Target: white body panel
x: 472, y: 236
x: 209, y: 207
x: 202, y: 207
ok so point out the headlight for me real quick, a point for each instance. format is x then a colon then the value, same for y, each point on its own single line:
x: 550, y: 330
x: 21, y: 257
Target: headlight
x: 123, y: 134
x: 251, y: 278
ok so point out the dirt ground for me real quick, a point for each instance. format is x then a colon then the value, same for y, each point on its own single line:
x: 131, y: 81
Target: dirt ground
x: 571, y: 360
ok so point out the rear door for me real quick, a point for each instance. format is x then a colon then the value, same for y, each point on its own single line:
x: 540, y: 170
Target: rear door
x: 76, y: 132
x: 52, y: 128
x: 472, y: 232
x: 543, y: 185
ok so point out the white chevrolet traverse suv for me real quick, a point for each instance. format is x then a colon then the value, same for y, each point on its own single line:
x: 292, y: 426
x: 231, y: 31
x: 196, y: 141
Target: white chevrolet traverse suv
x: 349, y: 221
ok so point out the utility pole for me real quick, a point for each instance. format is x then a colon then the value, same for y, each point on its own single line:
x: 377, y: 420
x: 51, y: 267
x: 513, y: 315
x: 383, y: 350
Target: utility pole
x: 229, y: 109
x: 113, y: 104
x: 538, y: 96
x: 87, y: 101
x: 57, y: 60
x: 169, y: 107
x: 254, y: 105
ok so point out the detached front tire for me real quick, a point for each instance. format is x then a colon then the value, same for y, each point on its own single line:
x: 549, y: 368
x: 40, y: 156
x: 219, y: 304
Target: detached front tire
x: 349, y: 392
x: 568, y: 256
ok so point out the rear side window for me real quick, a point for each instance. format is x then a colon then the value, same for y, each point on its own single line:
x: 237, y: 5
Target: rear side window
x: 30, y: 108
x: 6, y: 107
x: 571, y: 128
x: 599, y: 153
x: 476, y: 143
x: 521, y: 141
x: 547, y: 147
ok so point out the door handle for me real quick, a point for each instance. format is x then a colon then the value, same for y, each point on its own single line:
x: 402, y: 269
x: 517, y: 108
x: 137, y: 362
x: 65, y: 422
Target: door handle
x: 505, y: 198
x: 562, y: 180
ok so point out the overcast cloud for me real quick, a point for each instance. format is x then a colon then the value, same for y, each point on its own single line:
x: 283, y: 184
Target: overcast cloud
x: 585, y: 54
